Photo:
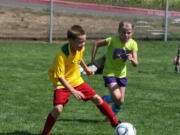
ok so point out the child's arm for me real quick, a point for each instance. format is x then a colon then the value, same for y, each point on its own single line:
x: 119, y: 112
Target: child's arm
x: 76, y: 94
x: 95, y: 48
x: 88, y: 71
x: 133, y: 57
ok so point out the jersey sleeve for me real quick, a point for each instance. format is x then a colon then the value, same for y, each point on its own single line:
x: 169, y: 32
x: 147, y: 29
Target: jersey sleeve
x: 108, y: 40
x: 59, y: 66
x: 82, y: 52
x: 134, y: 46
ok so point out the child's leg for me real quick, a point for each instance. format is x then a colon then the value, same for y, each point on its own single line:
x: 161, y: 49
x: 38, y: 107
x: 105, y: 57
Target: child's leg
x: 61, y: 97
x: 51, y: 119
x: 107, y: 98
x: 105, y: 109
x: 48, y: 125
x: 116, y: 108
x: 118, y: 95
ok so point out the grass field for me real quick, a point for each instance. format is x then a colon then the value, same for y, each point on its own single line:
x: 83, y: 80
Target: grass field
x: 152, y: 100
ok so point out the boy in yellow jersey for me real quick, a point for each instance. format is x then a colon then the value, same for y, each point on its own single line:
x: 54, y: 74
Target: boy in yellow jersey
x: 66, y: 78
x: 120, y: 48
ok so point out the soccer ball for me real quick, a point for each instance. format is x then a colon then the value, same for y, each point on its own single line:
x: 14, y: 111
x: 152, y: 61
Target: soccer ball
x: 125, y: 128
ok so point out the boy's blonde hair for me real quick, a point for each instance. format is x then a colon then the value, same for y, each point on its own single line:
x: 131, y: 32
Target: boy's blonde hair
x: 125, y: 24
x: 75, y: 31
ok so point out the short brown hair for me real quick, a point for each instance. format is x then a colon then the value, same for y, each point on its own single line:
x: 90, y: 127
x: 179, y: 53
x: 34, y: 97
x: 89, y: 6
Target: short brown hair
x: 75, y: 31
x: 125, y: 24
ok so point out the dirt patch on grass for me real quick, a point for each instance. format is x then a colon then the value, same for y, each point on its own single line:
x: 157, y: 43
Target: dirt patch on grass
x: 25, y: 23
x: 35, y: 23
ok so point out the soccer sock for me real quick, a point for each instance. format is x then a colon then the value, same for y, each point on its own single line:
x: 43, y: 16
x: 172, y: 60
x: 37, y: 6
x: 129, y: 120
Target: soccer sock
x: 116, y: 108
x: 48, y: 125
x: 107, y: 98
x: 105, y: 109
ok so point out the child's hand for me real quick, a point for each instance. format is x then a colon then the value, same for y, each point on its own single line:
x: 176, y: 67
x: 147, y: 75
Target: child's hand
x: 132, y: 59
x: 96, y: 64
x: 89, y: 72
x: 129, y: 56
x: 77, y: 94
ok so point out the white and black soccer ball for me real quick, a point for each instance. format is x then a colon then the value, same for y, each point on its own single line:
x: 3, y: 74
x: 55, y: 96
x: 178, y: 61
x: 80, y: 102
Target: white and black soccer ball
x: 125, y: 128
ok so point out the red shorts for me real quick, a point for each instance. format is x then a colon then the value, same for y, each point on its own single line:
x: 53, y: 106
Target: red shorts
x: 61, y: 96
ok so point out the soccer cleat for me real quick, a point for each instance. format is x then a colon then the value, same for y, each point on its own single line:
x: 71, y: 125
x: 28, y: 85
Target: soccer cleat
x: 116, y: 108
x: 107, y: 98
x: 112, y: 123
x: 115, y: 125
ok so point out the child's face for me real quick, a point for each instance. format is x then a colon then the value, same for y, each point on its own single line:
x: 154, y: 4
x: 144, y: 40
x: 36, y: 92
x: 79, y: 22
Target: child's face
x: 125, y: 34
x: 77, y: 44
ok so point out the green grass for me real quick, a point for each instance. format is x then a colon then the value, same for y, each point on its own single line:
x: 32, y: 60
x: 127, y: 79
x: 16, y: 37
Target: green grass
x: 152, y: 100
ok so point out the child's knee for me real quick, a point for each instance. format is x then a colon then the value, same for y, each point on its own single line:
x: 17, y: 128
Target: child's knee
x: 57, y: 110
x: 97, y: 99
x: 119, y: 101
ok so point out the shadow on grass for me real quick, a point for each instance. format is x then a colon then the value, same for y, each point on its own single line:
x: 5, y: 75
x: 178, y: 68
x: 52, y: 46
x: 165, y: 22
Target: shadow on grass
x: 18, y: 133
x: 27, y: 133
x: 80, y: 120
x: 59, y: 120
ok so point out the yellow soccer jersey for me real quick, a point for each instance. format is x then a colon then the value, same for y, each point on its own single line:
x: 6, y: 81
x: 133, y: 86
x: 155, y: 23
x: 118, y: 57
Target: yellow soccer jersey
x: 66, y: 66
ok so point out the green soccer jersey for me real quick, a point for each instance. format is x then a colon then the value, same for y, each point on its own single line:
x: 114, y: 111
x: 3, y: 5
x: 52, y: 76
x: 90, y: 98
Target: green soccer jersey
x: 116, y: 56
